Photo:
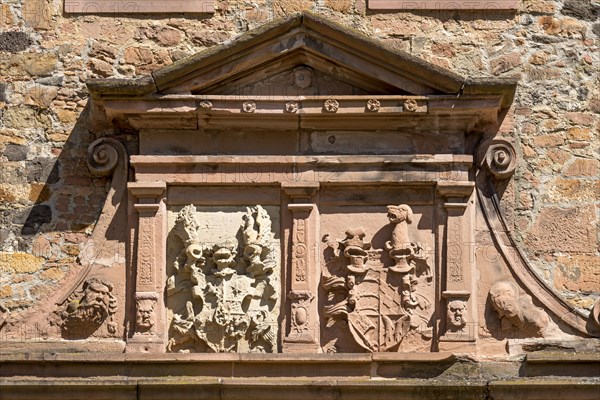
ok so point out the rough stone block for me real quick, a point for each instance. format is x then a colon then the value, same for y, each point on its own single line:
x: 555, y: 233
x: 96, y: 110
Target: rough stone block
x: 563, y: 229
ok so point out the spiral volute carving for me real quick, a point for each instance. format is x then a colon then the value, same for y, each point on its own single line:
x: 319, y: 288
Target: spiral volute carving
x: 499, y: 157
x: 104, y: 155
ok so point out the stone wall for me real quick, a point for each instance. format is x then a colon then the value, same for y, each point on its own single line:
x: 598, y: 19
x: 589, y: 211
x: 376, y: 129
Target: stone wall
x: 49, y: 201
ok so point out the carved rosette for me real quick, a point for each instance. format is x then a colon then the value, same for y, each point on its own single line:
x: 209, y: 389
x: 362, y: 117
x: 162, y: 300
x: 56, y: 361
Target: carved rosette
x: 249, y: 106
x: 291, y: 107
x: 206, y: 105
x: 230, y: 289
x: 410, y: 105
x: 373, y: 105
x: 331, y: 106
x: 499, y: 157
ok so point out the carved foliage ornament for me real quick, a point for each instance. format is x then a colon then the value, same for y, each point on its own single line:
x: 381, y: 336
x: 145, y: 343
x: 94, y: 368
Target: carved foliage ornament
x: 379, y: 304
x: 231, y: 290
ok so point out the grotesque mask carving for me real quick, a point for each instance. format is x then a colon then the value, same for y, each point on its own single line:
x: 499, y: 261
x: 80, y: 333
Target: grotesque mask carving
x: 456, y: 315
x: 87, y: 309
x: 144, y: 317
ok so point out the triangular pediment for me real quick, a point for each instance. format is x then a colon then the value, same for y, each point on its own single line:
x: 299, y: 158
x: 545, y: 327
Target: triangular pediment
x: 301, y: 80
x: 304, y: 58
x: 308, y: 40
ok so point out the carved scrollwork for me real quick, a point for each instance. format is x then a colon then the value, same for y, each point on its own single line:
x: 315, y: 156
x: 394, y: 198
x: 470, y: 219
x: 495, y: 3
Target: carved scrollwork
x: 516, y: 311
x: 87, y: 309
x: 499, y: 157
x: 104, y: 155
x: 300, y: 316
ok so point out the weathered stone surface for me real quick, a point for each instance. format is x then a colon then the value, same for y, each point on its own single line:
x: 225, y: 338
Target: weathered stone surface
x: 582, y: 167
x: 578, y: 133
x: 563, y: 229
x: 551, y: 140
x: 339, y: 5
x: 100, y: 67
x: 286, y: 7
x: 555, y: 127
x: 168, y: 37
x: 14, y: 41
x: 20, y: 263
x: 505, y: 63
x: 577, y: 273
x: 580, y: 9
x: 38, y: 13
x: 15, y: 152
x: 41, y: 95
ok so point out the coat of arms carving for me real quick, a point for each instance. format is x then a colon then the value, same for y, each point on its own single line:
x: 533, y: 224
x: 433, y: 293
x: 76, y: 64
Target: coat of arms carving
x: 379, y: 305
x: 227, y: 291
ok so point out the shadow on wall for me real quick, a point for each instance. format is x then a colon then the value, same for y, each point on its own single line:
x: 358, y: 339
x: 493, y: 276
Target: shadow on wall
x: 71, y: 198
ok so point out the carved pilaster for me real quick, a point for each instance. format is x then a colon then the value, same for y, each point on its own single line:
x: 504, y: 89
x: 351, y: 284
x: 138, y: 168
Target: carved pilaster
x: 301, y: 328
x: 148, y: 317
x: 459, y: 317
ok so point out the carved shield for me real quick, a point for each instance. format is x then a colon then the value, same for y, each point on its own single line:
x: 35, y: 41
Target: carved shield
x: 378, y: 321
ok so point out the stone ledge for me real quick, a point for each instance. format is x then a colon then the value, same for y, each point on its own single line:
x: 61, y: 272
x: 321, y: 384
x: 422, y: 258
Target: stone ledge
x: 202, y: 388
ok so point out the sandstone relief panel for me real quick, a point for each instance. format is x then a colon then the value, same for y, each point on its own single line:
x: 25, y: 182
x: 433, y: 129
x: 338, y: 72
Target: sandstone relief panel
x: 223, y: 286
x: 87, y: 309
x: 377, y: 283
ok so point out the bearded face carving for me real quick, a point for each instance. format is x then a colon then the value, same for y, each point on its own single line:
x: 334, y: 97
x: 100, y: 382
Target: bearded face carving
x: 456, y: 315
x: 87, y: 309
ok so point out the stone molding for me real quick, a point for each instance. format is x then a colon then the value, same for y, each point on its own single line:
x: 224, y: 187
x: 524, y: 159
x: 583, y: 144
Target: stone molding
x: 442, y: 5
x: 125, y: 7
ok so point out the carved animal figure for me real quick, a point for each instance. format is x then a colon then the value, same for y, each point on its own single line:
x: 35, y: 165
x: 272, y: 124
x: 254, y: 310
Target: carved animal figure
x: 517, y: 310
x: 400, y: 216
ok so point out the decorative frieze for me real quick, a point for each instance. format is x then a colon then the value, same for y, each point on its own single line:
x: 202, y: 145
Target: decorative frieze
x: 458, y: 316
